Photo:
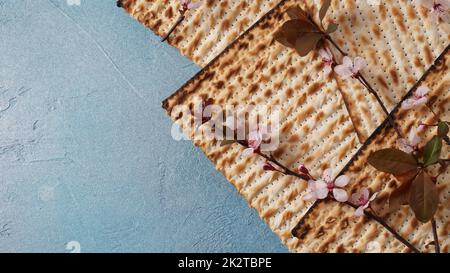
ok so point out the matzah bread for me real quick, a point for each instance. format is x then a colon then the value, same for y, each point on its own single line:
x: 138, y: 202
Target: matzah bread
x: 204, y: 32
x: 316, y: 127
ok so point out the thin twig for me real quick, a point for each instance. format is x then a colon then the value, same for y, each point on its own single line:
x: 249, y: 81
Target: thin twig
x: 445, y: 138
x: 432, y: 111
x: 386, y: 226
x: 285, y: 169
x: 328, y: 37
x: 363, y: 80
x: 435, y: 235
x: 172, y: 29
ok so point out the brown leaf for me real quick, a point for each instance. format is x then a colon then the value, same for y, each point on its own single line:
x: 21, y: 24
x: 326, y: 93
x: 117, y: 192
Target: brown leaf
x: 424, y: 197
x: 324, y: 9
x: 380, y: 205
x: 407, y: 177
x: 400, y: 196
x: 283, y: 38
x: 392, y: 161
x: 307, y: 42
x: 296, y: 13
x: 291, y: 30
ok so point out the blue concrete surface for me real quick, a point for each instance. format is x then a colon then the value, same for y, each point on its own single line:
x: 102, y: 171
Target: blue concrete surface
x: 86, y: 155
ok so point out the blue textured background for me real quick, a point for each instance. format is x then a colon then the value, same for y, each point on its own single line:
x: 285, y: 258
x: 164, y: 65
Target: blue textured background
x: 85, y: 148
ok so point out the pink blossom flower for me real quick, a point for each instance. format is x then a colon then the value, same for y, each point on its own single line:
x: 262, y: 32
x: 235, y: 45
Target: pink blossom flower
x: 311, y: 192
x: 320, y: 189
x: 362, y: 200
x: 254, y: 141
x: 266, y: 166
x: 419, y: 98
x: 350, y: 68
x: 439, y: 9
x: 411, y: 144
x: 327, y: 59
x: 189, y: 4
x: 422, y: 127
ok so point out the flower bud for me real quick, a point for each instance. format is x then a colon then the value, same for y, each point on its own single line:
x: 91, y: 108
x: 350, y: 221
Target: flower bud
x: 268, y: 167
x: 303, y: 170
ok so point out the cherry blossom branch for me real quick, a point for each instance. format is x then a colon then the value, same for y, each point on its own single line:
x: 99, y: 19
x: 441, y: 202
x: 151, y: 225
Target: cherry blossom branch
x: 185, y: 5
x: 272, y: 159
x: 367, y: 85
x: 307, y: 177
x: 386, y: 226
x: 435, y: 236
x: 359, y: 77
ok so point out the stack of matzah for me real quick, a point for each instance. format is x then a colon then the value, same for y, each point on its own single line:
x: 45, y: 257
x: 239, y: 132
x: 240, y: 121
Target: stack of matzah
x: 324, y: 120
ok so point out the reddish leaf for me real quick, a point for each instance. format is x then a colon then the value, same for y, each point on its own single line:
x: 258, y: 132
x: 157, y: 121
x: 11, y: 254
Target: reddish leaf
x: 392, y: 161
x: 296, y: 13
x: 380, y: 205
x: 307, y: 42
x: 407, y: 177
x: 423, y: 198
x: 291, y: 30
x: 400, y: 196
x: 324, y: 9
x: 282, y: 39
